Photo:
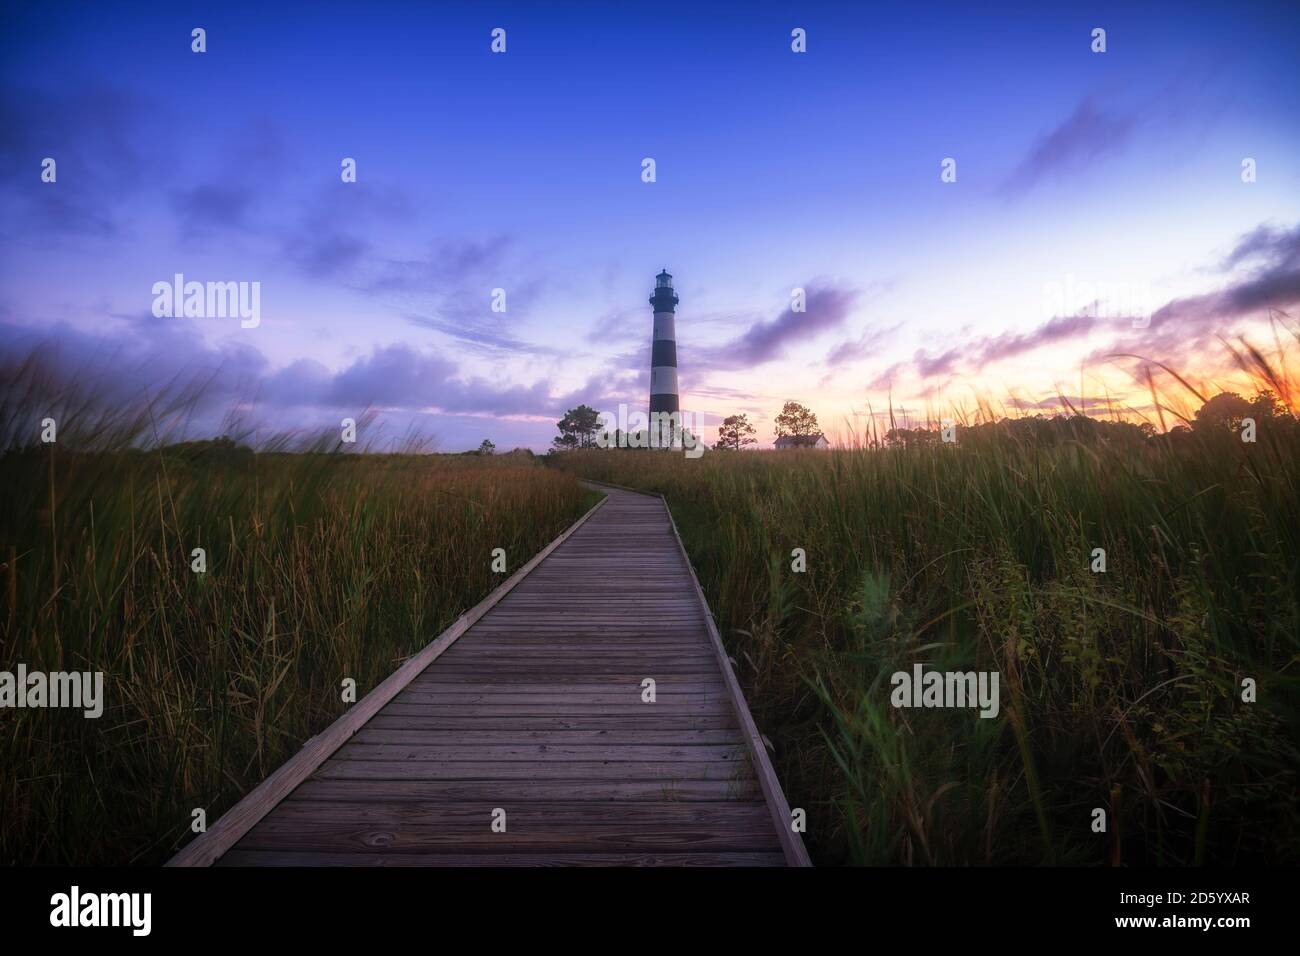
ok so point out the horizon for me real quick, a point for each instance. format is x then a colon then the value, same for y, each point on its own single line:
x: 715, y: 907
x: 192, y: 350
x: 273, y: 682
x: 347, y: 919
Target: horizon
x: 1100, y: 208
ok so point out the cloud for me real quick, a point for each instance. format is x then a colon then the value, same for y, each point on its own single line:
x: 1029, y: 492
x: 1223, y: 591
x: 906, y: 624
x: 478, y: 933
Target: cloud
x: 1011, y: 344
x: 848, y: 351
x: 402, y: 377
x: 827, y: 307
x: 253, y: 166
x: 852, y: 350
x: 1066, y: 404
x: 722, y: 393
x: 130, y: 357
x: 980, y: 352
x: 331, y: 255
x: 394, y: 375
x: 1276, y: 289
x: 212, y: 206
x: 1268, y: 247
x: 1263, y: 270
x: 1085, y: 136
x: 96, y: 135
x: 448, y: 288
x: 931, y: 366
x: 619, y: 325
x: 248, y: 198
x: 885, y: 380
x: 450, y: 266
x: 325, y: 237
x: 451, y: 290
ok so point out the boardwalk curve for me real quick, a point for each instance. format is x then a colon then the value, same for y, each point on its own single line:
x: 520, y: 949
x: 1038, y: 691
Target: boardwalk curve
x: 529, y: 712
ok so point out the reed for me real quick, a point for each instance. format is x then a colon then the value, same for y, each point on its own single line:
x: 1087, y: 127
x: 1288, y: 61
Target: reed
x: 320, y: 567
x: 1120, y: 690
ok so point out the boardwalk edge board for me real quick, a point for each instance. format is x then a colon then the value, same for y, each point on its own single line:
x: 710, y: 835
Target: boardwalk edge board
x: 791, y: 843
x: 208, y: 847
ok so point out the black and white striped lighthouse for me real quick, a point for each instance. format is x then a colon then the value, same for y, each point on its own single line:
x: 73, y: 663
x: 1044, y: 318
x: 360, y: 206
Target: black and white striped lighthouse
x: 663, y: 350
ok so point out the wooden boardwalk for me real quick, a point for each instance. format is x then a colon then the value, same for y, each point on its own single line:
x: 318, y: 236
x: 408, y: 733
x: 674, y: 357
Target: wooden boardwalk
x: 535, y: 708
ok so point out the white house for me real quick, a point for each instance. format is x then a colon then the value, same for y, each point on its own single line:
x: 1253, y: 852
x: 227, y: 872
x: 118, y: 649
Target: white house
x: 803, y: 441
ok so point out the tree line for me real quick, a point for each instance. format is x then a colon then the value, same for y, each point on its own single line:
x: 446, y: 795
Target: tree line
x: 580, y: 426
x: 1225, y: 412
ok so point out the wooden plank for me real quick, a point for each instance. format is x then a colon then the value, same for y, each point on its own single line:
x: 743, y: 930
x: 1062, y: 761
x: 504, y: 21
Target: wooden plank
x: 372, y: 734
x: 665, y: 699
x: 791, y: 843
x: 309, y: 858
x: 237, y: 821
x: 523, y: 689
x: 583, y: 670
x: 585, y: 651
x: 536, y: 816
x: 517, y: 722
x: 598, y: 635
x: 487, y: 652
x: 613, y: 660
x: 397, y: 828
x: 540, y: 753
x: 337, y: 768
x: 561, y: 707
x: 520, y: 791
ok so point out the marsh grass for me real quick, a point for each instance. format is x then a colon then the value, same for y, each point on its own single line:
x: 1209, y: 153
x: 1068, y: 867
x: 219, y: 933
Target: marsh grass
x: 320, y: 567
x: 1119, y: 690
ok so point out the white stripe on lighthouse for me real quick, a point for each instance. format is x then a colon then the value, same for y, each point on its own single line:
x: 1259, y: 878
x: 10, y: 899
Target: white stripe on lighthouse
x: 663, y: 380
x: 665, y: 326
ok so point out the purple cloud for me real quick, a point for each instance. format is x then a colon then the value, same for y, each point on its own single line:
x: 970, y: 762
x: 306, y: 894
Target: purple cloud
x: 1086, y: 135
x: 986, y: 350
x: 1265, y: 265
x: 212, y: 206
x: 136, y: 357
x: 1269, y: 247
x: 1054, y: 330
x: 928, y: 366
x: 867, y: 343
x: 826, y: 308
x: 885, y: 380
x: 1181, y: 327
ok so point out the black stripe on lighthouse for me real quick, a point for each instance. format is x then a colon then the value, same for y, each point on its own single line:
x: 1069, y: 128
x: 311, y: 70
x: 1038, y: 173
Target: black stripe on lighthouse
x: 663, y: 353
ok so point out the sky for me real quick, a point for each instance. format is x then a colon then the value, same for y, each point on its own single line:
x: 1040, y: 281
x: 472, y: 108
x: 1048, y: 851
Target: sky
x: 1098, y: 223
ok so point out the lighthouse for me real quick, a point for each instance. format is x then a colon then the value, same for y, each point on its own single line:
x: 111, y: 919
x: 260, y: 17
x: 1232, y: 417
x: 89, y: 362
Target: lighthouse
x: 663, y: 354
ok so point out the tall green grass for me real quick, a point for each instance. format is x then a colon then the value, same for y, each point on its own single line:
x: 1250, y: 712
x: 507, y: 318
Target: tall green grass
x: 321, y: 567
x: 1120, y: 690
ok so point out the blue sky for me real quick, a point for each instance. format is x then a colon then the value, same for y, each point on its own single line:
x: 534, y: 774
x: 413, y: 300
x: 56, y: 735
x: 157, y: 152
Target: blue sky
x: 1076, y: 172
